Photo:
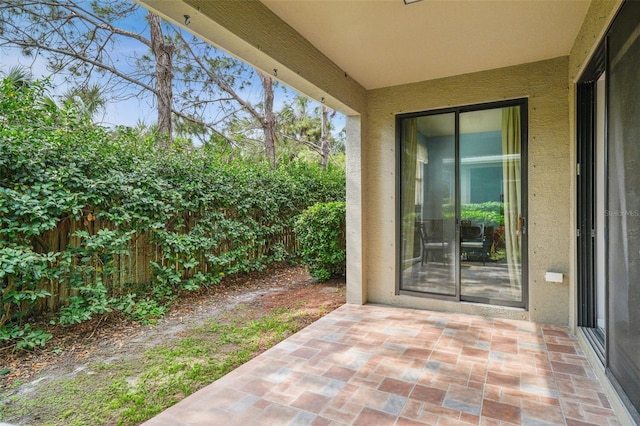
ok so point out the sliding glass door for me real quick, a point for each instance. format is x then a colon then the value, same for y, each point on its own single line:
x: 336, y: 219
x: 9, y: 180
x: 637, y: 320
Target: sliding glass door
x: 608, y: 184
x: 461, y: 213
x: 623, y: 213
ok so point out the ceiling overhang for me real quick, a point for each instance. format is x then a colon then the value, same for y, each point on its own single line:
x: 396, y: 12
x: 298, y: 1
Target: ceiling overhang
x: 336, y: 50
x: 387, y: 43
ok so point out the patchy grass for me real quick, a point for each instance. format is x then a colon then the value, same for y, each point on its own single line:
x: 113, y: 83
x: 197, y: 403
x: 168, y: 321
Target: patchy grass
x: 132, y: 389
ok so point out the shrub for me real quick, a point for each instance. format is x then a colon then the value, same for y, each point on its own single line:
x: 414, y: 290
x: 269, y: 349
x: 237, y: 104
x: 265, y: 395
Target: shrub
x: 90, y: 217
x: 489, y: 212
x: 320, y: 230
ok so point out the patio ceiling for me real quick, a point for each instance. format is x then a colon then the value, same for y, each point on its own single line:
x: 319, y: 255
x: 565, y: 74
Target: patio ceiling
x: 336, y: 50
x: 387, y: 43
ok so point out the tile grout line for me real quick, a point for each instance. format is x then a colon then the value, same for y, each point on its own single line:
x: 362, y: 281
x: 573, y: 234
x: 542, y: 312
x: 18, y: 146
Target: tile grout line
x: 555, y: 381
x: 486, y: 372
x: 431, y: 354
x: 414, y: 384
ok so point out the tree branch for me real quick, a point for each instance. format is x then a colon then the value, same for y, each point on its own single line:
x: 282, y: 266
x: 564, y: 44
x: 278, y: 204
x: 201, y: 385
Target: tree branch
x: 219, y: 82
x: 98, y: 64
x: 300, y: 141
x: 201, y: 123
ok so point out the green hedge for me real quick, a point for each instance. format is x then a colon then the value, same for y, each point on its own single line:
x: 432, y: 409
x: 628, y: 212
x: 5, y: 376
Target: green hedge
x: 94, y: 220
x: 490, y: 212
x: 321, y: 232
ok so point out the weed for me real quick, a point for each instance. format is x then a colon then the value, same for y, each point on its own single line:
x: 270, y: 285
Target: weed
x: 132, y: 391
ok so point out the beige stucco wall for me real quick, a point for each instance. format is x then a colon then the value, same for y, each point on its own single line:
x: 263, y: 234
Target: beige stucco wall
x: 599, y: 17
x: 545, y: 85
x: 356, y: 224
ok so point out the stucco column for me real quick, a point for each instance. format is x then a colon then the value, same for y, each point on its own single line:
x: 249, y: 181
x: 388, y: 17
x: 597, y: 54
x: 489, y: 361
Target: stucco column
x: 356, y: 255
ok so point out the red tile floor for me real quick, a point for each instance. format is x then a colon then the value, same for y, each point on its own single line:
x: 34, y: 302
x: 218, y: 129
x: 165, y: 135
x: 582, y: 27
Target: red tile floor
x: 374, y: 365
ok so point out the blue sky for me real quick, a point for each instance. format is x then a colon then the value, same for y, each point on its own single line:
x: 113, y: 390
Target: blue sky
x: 137, y: 108
x: 126, y: 112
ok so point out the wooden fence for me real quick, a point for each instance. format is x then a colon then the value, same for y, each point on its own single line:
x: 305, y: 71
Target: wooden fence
x: 132, y: 268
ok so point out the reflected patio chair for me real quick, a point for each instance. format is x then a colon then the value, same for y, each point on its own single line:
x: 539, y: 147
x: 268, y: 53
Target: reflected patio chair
x: 473, y: 240
x: 432, y: 237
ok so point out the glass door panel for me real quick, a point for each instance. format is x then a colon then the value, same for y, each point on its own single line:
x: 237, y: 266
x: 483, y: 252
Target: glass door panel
x: 490, y: 205
x: 623, y: 213
x: 428, y: 204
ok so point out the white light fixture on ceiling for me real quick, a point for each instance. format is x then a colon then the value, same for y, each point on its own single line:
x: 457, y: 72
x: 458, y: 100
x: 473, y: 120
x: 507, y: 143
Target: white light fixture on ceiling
x: 411, y: 1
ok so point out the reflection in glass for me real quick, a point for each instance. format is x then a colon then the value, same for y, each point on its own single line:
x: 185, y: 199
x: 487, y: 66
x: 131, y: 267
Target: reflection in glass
x: 623, y: 214
x: 427, y: 210
x: 490, y: 205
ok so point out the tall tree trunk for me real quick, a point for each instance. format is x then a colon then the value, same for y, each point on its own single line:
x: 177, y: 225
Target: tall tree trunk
x: 268, y: 119
x: 163, y: 53
x: 324, y: 138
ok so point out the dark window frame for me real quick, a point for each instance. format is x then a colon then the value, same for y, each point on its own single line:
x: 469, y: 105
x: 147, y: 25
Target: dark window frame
x: 586, y: 201
x: 524, y: 111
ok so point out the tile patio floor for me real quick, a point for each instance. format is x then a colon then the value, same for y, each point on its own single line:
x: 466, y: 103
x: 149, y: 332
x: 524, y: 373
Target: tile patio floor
x: 374, y: 365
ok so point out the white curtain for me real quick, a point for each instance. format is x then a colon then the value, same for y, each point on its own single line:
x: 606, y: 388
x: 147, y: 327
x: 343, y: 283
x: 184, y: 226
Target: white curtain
x: 409, y: 160
x: 511, y: 144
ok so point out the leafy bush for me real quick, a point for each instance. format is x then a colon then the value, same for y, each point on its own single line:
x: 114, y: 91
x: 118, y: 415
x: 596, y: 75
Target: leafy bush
x: 490, y: 212
x: 320, y: 230
x: 90, y: 215
x: 24, y: 337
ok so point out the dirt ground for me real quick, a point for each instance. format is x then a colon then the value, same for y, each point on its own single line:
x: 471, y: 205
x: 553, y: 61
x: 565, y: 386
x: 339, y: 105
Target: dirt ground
x: 111, y: 337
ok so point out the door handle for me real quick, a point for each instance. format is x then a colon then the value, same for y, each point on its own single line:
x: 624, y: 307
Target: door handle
x: 522, y: 225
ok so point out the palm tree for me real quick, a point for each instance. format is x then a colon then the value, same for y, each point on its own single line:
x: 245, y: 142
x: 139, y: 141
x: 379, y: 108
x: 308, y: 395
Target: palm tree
x: 19, y: 76
x: 308, y: 127
x: 87, y: 100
